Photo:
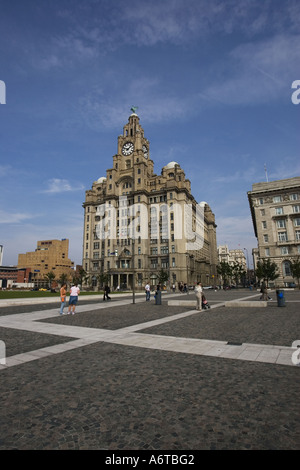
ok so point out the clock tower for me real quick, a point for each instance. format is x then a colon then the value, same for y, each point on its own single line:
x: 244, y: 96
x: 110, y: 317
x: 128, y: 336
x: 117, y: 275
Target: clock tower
x: 144, y: 208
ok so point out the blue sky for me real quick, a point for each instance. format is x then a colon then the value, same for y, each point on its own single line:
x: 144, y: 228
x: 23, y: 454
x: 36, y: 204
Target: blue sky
x: 212, y: 82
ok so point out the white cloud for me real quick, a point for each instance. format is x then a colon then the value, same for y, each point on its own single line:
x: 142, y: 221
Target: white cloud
x: 260, y: 72
x: 14, y: 218
x: 56, y: 185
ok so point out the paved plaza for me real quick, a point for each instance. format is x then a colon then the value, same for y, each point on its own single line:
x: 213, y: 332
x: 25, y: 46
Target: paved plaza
x: 124, y: 376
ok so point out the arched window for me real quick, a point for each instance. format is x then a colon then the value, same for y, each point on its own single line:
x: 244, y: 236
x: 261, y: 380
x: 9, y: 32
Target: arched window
x: 286, y: 268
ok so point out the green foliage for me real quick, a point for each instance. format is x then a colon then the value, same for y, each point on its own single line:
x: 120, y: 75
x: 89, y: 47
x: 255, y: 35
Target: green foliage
x: 163, y: 276
x: 103, y: 278
x: 63, y: 279
x: 266, y: 269
x: 238, y: 272
x: 50, y: 276
x: 225, y: 270
x: 295, y: 270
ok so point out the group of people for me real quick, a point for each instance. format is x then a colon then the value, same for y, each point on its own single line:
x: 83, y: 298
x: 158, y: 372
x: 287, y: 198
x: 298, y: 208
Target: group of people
x: 183, y: 288
x: 148, y: 290
x: 74, y: 293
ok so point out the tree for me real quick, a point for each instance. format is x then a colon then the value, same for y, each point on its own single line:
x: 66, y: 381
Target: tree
x: 103, y: 278
x: 238, y: 272
x: 295, y: 270
x: 50, y: 276
x: 163, y: 276
x: 225, y: 270
x: 63, y: 279
x: 82, y: 275
x: 266, y: 269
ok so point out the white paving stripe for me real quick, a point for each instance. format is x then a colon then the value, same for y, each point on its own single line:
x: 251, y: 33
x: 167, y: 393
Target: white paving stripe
x: 129, y: 336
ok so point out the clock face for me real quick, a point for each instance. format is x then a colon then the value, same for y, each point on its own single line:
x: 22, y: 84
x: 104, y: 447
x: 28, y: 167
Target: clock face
x: 145, y: 150
x: 127, y: 148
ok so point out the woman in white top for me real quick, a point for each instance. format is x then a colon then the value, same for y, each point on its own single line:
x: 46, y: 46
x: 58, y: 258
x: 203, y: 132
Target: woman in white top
x: 74, y: 293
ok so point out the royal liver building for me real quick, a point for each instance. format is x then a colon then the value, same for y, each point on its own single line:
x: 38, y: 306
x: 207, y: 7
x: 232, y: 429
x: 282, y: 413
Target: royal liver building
x: 139, y: 225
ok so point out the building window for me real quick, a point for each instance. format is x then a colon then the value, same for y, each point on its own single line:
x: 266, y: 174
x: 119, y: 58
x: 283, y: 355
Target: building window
x: 266, y: 238
x: 296, y: 209
x: 280, y: 223
x: 284, y: 250
x: 297, y: 235
x: 154, y: 263
x: 262, y: 212
x: 286, y: 268
x: 282, y: 237
x: 278, y: 210
x: 139, y: 263
x: 267, y: 251
x: 277, y: 199
x: 261, y: 201
x: 297, y: 222
x: 173, y: 263
x: 173, y: 248
x: 139, y: 180
x: 264, y: 224
x: 294, y: 197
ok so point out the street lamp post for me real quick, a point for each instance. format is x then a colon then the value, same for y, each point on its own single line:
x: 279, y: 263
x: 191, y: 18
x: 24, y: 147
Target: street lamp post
x: 247, y: 265
x: 133, y: 283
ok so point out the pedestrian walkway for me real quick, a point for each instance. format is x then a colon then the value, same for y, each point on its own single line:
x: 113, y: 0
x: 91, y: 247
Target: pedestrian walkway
x: 130, y: 336
x: 121, y: 376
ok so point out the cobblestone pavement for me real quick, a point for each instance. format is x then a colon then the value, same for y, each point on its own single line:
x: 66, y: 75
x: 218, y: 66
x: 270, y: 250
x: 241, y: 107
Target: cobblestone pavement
x: 110, y: 396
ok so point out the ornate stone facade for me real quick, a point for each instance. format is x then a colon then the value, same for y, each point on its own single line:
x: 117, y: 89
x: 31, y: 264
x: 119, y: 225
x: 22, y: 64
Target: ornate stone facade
x: 275, y: 210
x: 137, y: 223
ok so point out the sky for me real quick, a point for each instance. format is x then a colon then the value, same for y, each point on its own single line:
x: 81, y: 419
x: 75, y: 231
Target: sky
x: 212, y: 81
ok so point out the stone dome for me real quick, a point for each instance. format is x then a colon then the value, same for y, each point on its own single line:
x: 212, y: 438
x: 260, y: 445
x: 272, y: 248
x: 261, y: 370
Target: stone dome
x: 101, y: 179
x: 171, y: 165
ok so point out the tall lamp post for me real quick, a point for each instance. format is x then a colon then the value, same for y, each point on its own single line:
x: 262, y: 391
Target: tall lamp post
x: 133, y: 272
x: 247, y: 265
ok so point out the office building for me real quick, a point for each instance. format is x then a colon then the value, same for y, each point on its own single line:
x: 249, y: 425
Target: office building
x: 275, y: 210
x: 138, y: 224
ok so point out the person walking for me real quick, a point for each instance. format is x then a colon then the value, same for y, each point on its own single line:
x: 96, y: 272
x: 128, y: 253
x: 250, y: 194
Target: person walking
x: 63, y: 294
x: 198, y: 292
x: 74, y: 293
x: 106, y: 292
x: 264, y: 290
x: 147, y: 290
